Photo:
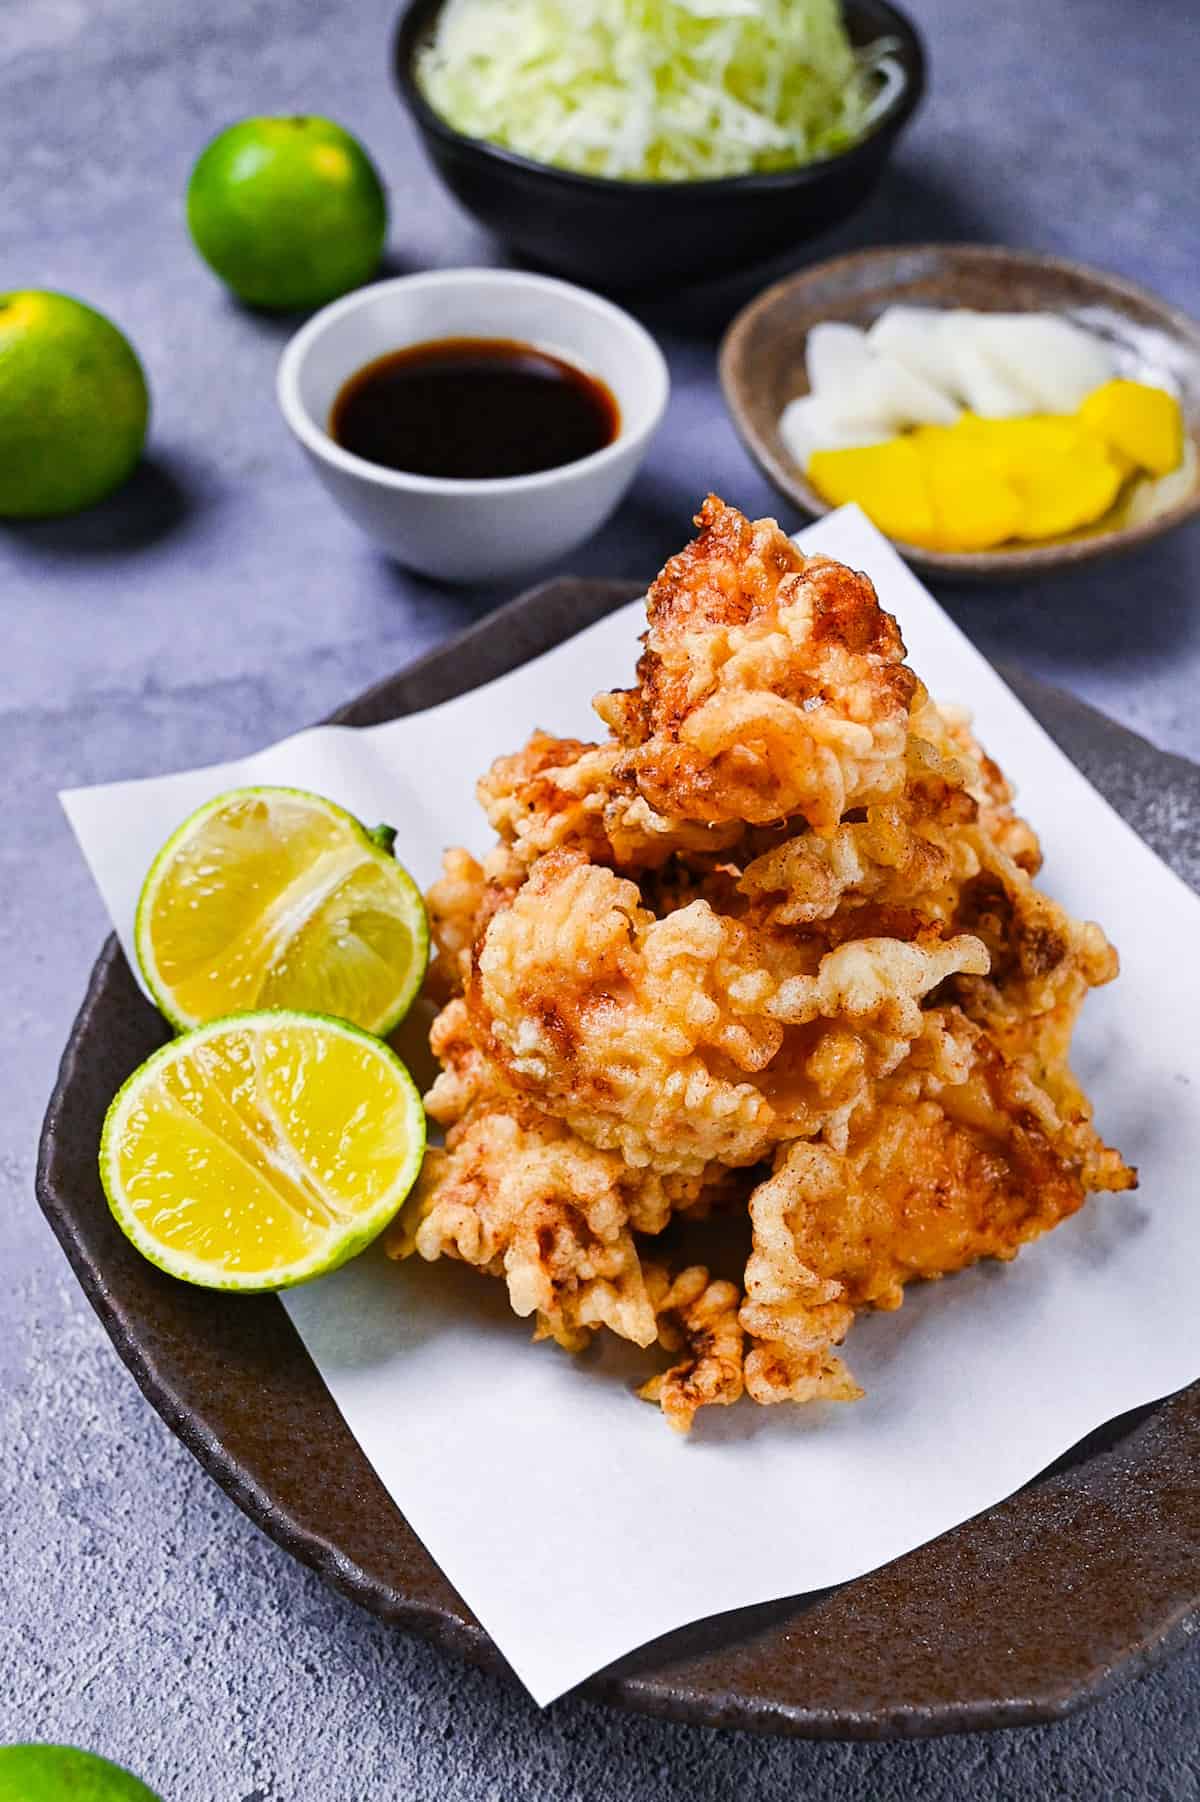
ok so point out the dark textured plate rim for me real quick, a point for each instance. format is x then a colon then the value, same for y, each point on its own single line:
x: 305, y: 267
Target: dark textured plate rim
x: 635, y: 1682
x: 976, y: 566
x: 415, y: 18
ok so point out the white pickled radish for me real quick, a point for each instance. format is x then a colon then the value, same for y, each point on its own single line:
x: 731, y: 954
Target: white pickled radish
x: 810, y: 424
x: 835, y: 355
x: 856, y: 384
x: 911, y: 336
x: 1054, y: 363
x: 984, y: 387
x: 886, y: 389
x: 922, y: 365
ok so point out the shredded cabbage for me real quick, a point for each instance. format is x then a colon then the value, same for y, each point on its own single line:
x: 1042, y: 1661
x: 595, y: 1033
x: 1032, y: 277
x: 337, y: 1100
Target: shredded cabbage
x: 654, y: 90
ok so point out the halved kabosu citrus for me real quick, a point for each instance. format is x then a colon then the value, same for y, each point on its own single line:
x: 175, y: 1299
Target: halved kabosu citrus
x: 273, y: 897
x: 260, y: 1151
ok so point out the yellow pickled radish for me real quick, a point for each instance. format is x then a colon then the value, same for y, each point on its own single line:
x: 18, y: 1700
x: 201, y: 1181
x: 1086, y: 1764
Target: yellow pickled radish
x: 984, y: 482
x: 975, y: 505
x: 1143, y: 423
x: 887, y: 480
x: 1065, y: 476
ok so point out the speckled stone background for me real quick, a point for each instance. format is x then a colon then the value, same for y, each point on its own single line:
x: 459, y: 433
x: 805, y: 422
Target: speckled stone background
x: 220, y: 602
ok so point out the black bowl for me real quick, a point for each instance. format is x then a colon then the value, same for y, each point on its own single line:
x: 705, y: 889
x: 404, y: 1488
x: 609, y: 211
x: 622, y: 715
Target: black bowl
x: 632, y: 234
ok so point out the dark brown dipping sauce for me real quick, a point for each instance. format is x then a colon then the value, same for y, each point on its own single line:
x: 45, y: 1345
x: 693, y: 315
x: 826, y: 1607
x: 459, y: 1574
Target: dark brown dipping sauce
x: 471, y: 408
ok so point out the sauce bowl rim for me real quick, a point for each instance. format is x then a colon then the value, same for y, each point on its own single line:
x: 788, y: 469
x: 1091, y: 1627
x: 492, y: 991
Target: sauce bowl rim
x: 628, y: 439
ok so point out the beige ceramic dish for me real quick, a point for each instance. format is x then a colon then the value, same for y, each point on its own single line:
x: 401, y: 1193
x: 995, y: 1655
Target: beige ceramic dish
x: 762, y: 368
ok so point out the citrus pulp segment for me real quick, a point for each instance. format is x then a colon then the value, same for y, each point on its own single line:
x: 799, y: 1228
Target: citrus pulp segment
x: 273, y: 897
x: 262, y: 1150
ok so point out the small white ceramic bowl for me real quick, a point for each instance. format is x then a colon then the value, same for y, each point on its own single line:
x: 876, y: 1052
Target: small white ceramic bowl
x: 470, y: 531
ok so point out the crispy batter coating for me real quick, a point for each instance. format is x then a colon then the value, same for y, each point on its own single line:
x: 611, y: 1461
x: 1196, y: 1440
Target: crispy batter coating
x: 459, y: 905
x: 783, y: 921
x: 559, y: 793
x: 771, y: 684
x: 993, y: 793
x: 518, y: 1196
x: 960, y: 1156
x: 697, y: 1315
x: 694, y: 1038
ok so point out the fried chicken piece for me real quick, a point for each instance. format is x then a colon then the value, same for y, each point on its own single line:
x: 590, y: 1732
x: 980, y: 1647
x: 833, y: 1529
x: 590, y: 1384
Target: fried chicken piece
x: 913, y: 852
x: 692, y: 1038
x: 561, y: 793
x: 453, y: 904
x: 778, y: 1372
x: 961, y: 1156
x: 1041, y: 962
x: 698, y: 1315
x: 771, y: 684
x: 883, y: 859
x: 785, y: 914
x: 517, y: 1195
x: 994, y: 794
x: 460, y: 904
x: 466, y: 1075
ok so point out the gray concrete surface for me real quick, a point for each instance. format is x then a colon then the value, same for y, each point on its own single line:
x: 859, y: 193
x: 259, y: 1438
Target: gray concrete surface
x: 219, y: 602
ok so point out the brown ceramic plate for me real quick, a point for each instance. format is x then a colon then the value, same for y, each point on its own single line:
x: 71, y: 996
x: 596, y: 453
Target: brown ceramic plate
x: 1019, y: 1615
x: 763, y: 367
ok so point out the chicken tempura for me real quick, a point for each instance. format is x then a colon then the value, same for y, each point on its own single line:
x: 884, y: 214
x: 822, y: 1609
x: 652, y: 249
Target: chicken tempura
x: 773, y: 948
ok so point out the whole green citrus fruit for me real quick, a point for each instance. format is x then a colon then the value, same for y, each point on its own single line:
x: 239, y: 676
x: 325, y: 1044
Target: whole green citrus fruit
x: 288, y: 212
x: 73, y: 405
x: 61, y: 1774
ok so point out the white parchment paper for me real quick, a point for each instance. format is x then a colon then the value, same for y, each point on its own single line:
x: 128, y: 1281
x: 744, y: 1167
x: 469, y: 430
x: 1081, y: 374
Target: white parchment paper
x: 571, y: 1519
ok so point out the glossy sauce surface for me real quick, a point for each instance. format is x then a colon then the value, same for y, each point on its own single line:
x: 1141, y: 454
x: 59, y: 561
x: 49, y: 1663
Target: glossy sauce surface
x: 473, y: 409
